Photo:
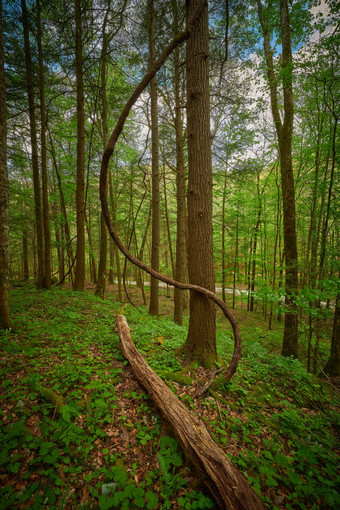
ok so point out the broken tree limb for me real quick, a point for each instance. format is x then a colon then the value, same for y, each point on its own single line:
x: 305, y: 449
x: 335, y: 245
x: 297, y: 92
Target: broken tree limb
x: 176, y: 41
x: 226, y: 483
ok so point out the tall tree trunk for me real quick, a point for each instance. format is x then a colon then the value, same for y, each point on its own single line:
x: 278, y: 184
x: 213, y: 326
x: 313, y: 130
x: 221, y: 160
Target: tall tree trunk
x: 44, y: 180
x: 284, y: 133
x: 181, y: 245
x: 79, y: 280
x: 34, y: 149
x: 201, y: 340
x: 5, y: 322
x: 101, y: 281
x: 154, y: 284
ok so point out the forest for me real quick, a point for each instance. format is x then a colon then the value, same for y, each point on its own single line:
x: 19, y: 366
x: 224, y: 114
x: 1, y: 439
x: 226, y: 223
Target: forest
x: 169, y: 254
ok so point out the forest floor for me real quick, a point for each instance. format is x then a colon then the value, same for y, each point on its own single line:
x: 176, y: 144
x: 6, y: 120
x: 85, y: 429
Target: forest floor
x: 78, y: 431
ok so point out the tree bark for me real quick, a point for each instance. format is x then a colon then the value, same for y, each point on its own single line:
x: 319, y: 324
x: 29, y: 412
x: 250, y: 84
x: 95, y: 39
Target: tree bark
x: 34, y: 149
x: 44, y: 179
x: 201, y: 340
x: 5, y: 322
x: 227, y: 485
x: 79, y: 280
x: 155, y: 237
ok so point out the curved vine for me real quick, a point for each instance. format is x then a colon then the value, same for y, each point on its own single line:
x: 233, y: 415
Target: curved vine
x: 176, y: 41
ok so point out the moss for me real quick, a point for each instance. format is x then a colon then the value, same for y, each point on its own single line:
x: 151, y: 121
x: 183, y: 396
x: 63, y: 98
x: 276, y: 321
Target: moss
x: 177, y: 377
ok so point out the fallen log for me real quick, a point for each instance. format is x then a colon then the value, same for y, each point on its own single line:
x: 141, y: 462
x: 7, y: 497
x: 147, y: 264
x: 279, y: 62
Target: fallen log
x: 227, y: 485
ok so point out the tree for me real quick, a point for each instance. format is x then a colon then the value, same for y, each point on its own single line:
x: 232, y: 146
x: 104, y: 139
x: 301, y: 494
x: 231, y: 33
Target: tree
x: 181, y: 245
x: 46, y: 220
x: 4, y: 196
x: 79, y: 281
x: 284, y: 130
x: 201, y: 340
x: 34, y: 149
x: 153, y: 308
x: 333, y: 364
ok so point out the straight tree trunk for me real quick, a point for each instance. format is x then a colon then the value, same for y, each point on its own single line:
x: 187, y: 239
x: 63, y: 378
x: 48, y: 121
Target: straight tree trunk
x: 253, y: 264
x: 224, y: 198
x: 284, y: 131
x: 79, y: 280
x: 154, y: 284
x: 5, y: 322
x: 114, y: 219
x: 66, y: 227
x: 235, y: 270
x: 26, y: 274
x: 201, y: 341
x: 181, y: 245
x: 332, y: 367
x: 44, y: 179
x: 34, y: 149
x: 101, y: 281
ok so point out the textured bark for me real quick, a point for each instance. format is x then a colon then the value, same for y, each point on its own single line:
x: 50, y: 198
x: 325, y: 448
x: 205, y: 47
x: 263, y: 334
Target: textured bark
x: 155, y: 236
x: 201, y: 341
x: 79, y: 280
x: 34, y: 148
x: 5, y: 322
x: 227, y: 485
x: 227, y: 374
x: 44, y: 180
x: 181, y: 244
x: 284, y: 133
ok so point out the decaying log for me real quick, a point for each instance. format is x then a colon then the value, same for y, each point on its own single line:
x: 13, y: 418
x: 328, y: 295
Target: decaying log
x: 226, y: 483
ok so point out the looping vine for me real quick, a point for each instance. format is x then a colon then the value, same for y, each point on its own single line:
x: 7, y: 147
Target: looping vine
x: 176, y: 41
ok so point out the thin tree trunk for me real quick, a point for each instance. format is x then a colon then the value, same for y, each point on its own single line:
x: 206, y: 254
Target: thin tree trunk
x: 223, y: 231
x: 34, y: 149
x: 79, y: 280
x: 101, y: 282
x: 284, y: 133
x: 114, y: 219
x: 181, y: 245
x: 26, y: 274
x: 44, y: 179
x: 236, y: 257
x: 168, y: 230
x: 253, y: 265
x: 332, y: 367
x: 62, y: 206
x: 154, y: 284
x: 5, y: 322
x: 277, y: 232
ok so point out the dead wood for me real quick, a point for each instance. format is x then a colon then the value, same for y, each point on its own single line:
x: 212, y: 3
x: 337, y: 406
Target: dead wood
x: 226, y: 483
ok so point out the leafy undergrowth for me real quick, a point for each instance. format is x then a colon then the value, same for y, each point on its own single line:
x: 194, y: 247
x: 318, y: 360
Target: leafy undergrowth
x: 79, y: 432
